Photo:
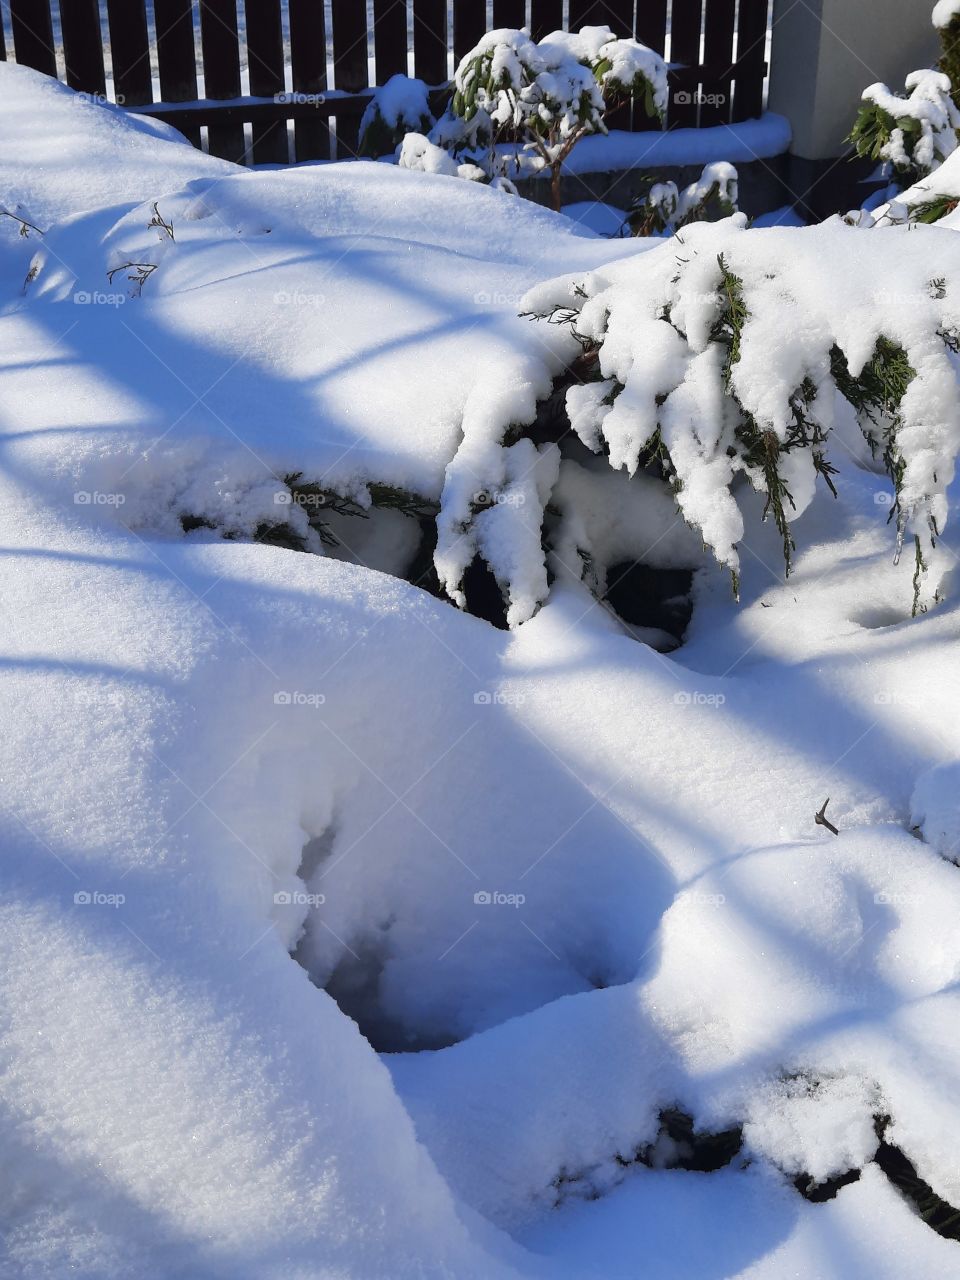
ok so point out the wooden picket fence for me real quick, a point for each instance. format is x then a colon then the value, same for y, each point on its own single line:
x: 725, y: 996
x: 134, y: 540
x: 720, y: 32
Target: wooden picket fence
x: 716, y: 49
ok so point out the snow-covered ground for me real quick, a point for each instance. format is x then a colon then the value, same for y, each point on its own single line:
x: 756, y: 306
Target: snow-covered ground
x: 345, y: 935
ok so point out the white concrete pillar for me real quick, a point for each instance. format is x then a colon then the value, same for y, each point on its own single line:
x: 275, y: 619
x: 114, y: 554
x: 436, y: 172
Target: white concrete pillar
x: 826, y: 52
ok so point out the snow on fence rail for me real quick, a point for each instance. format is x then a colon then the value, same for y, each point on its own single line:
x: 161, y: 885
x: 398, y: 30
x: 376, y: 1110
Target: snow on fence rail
x: 310, y: 63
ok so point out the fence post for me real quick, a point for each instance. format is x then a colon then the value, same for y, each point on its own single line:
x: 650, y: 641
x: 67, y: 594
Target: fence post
x: 824, y: 54
x: 32, y: 32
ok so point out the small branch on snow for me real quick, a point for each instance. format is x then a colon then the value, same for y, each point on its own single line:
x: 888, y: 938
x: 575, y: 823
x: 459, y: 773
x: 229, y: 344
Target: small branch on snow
x: 821, y: 819
x: 25, y: 226
x: 140, y: 273
x: 165, y: 228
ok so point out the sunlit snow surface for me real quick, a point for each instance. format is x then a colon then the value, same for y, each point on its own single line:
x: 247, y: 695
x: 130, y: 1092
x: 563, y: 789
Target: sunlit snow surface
x: 591, y: 865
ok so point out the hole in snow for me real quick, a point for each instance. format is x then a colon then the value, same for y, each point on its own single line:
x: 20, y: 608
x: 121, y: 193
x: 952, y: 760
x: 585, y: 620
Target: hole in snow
x: 484, y: 597
x: 656, y: 600
x: 350, y: 969
x: 880, y: 616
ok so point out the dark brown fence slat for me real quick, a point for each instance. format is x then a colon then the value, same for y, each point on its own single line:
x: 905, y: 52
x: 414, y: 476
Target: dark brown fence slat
x: 684, y: 49
x: 3, y: 42
x: 652, y: 23
x: 308, y: 56
x: 349, y: 64
x: 130, y: 52
x: 430, y: 40
x: 469, y: 24
x: 83, y: 46
x: 546, y: 16
x: 616, y: 14
x: 751, y: 48
x: 265, y: 61
x: 349, y: 45
x: 32, y: 32
x: 509, y: 13
x: 221, y: 71
x: 176, y: 56
x: 390, y: 38
x: 718, y: 29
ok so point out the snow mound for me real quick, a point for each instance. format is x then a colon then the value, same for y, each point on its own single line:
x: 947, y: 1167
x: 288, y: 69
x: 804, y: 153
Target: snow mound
x: 63, y: 152
x: 344, y: 935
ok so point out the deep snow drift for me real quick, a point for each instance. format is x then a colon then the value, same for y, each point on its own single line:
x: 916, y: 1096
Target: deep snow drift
x: 564, y: 885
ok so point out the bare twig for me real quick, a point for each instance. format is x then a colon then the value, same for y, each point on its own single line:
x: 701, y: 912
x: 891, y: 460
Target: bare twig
x: 165, y: 228
x: 140, y: 273
x: 821, y: 819
x: 25, y: 226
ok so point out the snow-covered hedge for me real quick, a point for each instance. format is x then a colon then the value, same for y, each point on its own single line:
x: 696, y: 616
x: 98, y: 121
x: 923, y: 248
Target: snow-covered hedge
x: 721, y: 357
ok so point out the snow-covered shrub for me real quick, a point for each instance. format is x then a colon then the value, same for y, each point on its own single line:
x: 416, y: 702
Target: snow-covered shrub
x: 720, y: 358
x: 544, y: 96
x: 911, y: 135
x: 399, y: 107
x: 946, y: 19
x: 665, y: 209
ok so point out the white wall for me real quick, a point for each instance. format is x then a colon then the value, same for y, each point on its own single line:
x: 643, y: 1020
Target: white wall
x: 826, y: 52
